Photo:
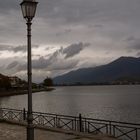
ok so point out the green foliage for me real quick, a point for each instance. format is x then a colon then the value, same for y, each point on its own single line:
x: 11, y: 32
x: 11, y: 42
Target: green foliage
x: 48, y: 82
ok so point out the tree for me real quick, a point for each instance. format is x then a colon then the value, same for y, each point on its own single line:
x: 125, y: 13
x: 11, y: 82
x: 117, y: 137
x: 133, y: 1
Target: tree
x: 48, y: 82
x: 5, y: 83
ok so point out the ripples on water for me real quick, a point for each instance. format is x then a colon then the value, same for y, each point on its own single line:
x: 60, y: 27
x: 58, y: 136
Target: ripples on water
x: 119, y: 103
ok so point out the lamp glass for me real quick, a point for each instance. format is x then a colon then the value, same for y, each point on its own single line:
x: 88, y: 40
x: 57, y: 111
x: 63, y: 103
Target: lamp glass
x: 28, y: 9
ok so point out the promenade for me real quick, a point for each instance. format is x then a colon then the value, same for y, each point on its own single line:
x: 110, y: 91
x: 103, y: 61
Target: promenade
x: 17, y: 132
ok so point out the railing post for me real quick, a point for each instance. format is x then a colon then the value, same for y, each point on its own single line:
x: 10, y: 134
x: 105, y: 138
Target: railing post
x: 85, y: 126
x: 136, y: 134
x: 24, y: 114
x: 110, y: 128
x: 57, y: 122
x: 106, y: 128
x: 75, y: 121
x: 114, y: 134
x: 80, y: 122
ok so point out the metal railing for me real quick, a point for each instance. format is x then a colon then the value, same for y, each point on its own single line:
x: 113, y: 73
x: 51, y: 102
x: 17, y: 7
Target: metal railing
x: 120, y: 130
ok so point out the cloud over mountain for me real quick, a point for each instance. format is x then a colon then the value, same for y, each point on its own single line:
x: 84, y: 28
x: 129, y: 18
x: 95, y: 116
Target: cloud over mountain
x: 12, y: 65
x: 59, y: 59
x: 74, y: 49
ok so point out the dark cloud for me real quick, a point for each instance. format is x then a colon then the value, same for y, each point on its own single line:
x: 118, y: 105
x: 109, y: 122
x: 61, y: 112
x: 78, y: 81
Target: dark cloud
x: 60, y: 54
x: 98, y: 26
x: 130, y: 38
x: 59, y: 59
x: 22, y: 67
x: 20, y: 49
x: 48, y: 64
x: 69, y: 51
x: 136, y: 46
x: 133, y: 43
x: 41, y: 63
x: 5, y: 47
x: 138, y: 54
x: 23, y: 48
x: 68, y: 15
x: 12, y: 65
x: 69, y: 11
x: 6, y: 6
x: 74, y: 49
x: 64, y: 65
x: 65, y: 32
x: 73, y: 11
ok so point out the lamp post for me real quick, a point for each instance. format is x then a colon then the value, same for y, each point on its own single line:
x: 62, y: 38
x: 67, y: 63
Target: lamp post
x: 28, y: 8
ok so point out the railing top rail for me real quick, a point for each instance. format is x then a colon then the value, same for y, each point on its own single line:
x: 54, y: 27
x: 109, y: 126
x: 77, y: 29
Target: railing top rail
x: 11, y: 109
x: 35, y: 112
x: 109, y: 121
x: 91, y: 119
x: 128, y: 126
x: 58, y: 115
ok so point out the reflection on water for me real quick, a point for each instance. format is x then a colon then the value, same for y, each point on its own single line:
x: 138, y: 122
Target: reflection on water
x: 104, y: 102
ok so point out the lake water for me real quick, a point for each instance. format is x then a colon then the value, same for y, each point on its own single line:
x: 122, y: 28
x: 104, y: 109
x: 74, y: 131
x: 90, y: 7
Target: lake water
x: 120, y: 103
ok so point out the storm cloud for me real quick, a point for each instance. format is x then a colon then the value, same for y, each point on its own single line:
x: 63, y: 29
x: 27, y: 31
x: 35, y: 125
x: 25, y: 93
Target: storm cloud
x: 12, y: 65
x: 60, y: 59
x: 74, y: 49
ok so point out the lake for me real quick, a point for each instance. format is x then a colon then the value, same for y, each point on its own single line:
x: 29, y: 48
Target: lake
x: 120, y: 103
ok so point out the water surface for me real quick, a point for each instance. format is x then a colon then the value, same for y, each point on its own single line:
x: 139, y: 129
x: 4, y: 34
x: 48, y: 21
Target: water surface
x: 119, y: 103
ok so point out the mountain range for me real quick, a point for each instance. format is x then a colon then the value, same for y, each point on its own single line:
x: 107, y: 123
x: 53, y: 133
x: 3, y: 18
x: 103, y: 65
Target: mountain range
x: 123, y: 69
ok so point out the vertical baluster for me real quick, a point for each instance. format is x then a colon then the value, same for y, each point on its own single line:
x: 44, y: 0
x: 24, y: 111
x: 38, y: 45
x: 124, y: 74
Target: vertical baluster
x: 136, y: 134
x: 114, y: 131
x: 85, y: 125
x: 10, y: 117
x: 58, y: 122
x: 80, y: 122
x: 24, y: 114
x: 75, y: 124
x: 106, y: 128
x: 72, y: 124
x: 54, y: 124
x: 110, y: 131
x: 55, y: 121
x: 88, y: 128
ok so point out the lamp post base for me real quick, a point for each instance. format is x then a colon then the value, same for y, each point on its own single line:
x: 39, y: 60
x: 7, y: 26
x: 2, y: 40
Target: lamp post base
x: 30, y: 132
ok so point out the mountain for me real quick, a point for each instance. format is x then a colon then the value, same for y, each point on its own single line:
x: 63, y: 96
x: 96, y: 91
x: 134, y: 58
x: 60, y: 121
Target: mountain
x: 122, y: 68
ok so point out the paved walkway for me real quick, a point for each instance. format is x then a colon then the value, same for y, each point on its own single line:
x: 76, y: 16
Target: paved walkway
x: 16, y: 132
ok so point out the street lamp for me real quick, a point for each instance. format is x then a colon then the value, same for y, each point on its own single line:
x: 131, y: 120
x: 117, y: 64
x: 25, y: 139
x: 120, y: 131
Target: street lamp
x: 28, y: 8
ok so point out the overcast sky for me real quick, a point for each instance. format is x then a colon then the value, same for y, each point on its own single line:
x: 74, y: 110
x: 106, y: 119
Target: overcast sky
x: 67, y: 35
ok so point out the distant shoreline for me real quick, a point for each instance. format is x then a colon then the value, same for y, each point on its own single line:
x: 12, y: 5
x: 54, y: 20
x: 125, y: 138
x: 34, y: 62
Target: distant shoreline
x: 102, y: 84
x: 21, y: 92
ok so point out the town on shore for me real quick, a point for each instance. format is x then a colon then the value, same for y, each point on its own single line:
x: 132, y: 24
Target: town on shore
x: 12, y: 85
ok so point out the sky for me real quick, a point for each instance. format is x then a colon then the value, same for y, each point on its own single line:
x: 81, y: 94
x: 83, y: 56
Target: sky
x: 68, y: 35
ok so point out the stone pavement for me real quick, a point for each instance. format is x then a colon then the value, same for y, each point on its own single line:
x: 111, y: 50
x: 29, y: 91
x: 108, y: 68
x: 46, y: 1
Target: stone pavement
x: 17, y: 132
